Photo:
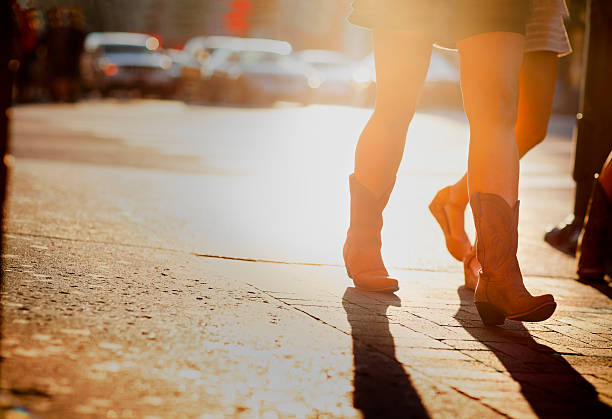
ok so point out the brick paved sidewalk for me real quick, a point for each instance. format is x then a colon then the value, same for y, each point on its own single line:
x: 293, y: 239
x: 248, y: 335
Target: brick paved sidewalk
x: 560, y: 367
x: 107, y: 313
x: 94, y: 330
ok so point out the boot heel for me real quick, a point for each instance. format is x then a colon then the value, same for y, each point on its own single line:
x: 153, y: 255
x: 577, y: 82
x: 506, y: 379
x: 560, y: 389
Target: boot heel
x: 490, y: 315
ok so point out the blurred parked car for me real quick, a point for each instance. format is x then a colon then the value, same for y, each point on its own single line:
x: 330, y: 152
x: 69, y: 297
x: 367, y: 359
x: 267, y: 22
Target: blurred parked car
x: 187, y: 76
x: 120, y: 60
x: 201, y: 47
x: 365, y: 74
x: 257, y: 71
x: 442, y: 84
x: 340, y: 80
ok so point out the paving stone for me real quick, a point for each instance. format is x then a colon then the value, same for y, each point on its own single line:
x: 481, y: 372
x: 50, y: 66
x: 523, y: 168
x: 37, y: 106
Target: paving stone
x: 588, y: 326
x: 597, y: 366
x: 603, y: 386
x: 560, y: 339
x: 499, y: 361
x: 425, y: 326
x: 476, y: 372
x: 467, y: 344
x: 584, y: 336
x: 523, y: 352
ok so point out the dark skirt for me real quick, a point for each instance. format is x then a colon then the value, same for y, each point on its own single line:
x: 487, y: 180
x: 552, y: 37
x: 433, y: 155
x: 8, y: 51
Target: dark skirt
x: 447, y: 21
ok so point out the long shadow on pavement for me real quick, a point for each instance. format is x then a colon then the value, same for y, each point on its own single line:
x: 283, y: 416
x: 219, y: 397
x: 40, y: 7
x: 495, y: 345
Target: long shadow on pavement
x: 382, y: 387
x: 548, y: 382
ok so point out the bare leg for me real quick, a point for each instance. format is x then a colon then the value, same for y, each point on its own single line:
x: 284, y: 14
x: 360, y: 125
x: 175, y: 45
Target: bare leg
x: 402, y: 60
x: 536, y: 91
x: 490, y: 67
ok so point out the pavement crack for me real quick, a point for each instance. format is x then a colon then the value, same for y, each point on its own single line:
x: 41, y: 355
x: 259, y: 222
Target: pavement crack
x: 235, y: 258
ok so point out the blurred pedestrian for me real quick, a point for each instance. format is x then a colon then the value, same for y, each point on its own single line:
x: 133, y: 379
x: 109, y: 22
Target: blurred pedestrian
x: 545, y: 40
x: 76, y: 42
x: 57, y: 41
x: 594, y: 124
x: 29, y: 37
x: 594, y: 251
x: 8, y: 46
x: 490, y: 39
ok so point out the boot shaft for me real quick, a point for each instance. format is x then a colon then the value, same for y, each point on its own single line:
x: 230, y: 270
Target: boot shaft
x: 599, y: 209
x: 497, y: 231
x: 366, y: 208
x: 594, y: 242
x: 500, y: 292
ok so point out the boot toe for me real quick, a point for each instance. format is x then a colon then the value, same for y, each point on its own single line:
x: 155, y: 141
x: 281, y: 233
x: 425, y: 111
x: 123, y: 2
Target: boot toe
x: 542, y: 307
x: 545, y: 298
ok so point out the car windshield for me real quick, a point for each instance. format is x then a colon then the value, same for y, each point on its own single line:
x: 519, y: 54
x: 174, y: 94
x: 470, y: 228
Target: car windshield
x: 125, y: 49
x: 324, y: 59
x: 252, y: 57
x: 330, y: 65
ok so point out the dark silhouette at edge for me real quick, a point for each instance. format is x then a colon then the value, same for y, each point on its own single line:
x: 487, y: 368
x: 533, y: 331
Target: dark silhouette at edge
x: 382, y: 387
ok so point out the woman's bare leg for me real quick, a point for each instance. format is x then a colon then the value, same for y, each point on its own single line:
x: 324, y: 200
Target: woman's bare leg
x: 537, y: 81
x: 490, y: 67
x: 402, y: 60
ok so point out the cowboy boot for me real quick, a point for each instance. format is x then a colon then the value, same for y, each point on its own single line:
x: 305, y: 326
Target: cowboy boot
x: 592, y: 245
x: 362, y: 258
x: 457, y: 241
x: 471, y: 269
x: 500, y: 293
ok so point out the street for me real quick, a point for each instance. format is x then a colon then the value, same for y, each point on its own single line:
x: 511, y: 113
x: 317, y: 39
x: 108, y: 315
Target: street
x: 163, y: 260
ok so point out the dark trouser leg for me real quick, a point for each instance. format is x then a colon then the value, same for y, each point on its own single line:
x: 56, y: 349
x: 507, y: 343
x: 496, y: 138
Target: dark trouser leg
x: 593, y: 141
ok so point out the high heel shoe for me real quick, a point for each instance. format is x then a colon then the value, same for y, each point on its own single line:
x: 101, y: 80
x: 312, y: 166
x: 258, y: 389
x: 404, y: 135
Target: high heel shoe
x: 458, y: 244
x: 500, y: 293
x: 361, y: 252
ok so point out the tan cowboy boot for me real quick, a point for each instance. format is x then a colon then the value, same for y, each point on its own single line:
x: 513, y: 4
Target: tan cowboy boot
x: 500, y: 293
x: 457, y: 241
x: 362, y: 258
x: 471, y: 270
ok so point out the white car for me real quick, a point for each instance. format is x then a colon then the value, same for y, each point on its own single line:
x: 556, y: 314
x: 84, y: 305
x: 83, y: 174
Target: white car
x: 339, y: 79
x: 120, y: 60
x: 256, y: 71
